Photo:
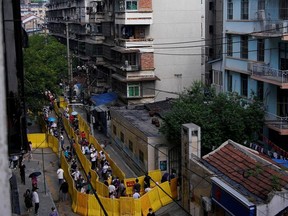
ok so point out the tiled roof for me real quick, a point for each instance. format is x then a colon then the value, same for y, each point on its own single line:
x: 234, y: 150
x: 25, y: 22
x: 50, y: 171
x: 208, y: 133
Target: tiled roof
x: 246, y: 168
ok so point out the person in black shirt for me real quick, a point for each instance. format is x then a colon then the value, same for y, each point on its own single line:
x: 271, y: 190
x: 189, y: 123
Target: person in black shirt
x: 151, y: 213
x: 64, y: 190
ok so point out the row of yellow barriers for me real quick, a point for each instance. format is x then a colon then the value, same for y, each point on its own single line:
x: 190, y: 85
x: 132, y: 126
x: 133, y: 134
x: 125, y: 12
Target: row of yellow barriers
x: 87, y: 204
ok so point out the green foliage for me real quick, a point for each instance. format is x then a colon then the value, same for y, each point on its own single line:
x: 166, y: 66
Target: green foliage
x: 220, y: 116
x: 45, y: 64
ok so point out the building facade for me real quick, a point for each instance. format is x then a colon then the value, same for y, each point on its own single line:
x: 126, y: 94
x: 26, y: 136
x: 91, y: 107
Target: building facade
x: 254, y: 59
x: 144, y: 50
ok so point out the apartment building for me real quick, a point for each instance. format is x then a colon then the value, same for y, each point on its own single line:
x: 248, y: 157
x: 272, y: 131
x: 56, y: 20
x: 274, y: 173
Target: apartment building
x: 144, y: 50
x: 255, y: 59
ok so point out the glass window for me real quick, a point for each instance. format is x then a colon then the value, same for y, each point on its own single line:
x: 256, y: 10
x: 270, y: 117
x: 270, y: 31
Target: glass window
x: 131, y: 5
x: 260, y: 49
x: 141, y: 156
x: 283, y: 9
x: 261, y: 4
x: 229, y: 45
x: 229, y: 81
x: 133, y: 90
x: 131, y: 145
x: 244, y: 9
x: 122, y: 137
x: 244, y: 47
x: 217, y: 77
x: 230, y: 9
x: 260, y: 90
x: 244, y: 85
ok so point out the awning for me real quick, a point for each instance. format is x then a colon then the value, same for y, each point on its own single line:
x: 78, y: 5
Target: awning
x: 103, y: 99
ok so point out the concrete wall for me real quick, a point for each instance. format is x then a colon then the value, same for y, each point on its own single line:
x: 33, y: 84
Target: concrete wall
x: 175, y: 22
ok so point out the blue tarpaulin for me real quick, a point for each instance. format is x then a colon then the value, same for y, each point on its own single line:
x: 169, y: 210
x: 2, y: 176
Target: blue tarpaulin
x: 281, y: 162
x: 103, y: 99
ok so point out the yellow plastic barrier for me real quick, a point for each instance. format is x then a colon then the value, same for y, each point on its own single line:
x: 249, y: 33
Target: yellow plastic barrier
x: 93, y: 206
x: 74, y: 197
x: 145, y: 203
x: 38, y: 140
x: 156, y: 176
x: 82, y: 203
x: 165, y: 196
x: 129, y: 183
x: 154, y: 199
x: 110, y: 205
x: 173, y: 186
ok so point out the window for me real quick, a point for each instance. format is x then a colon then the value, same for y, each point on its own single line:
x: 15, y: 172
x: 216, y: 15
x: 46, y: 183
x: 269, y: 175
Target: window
x: 229, y: 45
x: 229, y: 81
x: 131, y: 5
x: 141, y: 156
x: 114, y: 130
x: 217, y: 77
x: 244, y: 9
x: 131, y: 145
x: 261, y: 4
x: 244, y: 85
x: 122, y: 137
x: 260, y: 49
x: 260, y: 90
x: 244, y: 47
x: 230, y: 9
x: 283, y: 9
x: 133, y: 90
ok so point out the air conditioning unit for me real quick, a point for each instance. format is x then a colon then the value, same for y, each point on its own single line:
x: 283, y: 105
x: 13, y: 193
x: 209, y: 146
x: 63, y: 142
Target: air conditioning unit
x: 284, y: 27
x: 126, y: 63
x: 206, y: 204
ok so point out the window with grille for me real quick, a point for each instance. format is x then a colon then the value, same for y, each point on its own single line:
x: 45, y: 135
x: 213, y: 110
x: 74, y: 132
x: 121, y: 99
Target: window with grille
x: 244, y: 9
x: 283, y: 9
x: 261, y: 4
x: 229, y: 45
x: 133, y: 90
x: 131, y: 5
x: 244, y: 85
x: 244, y: 47
x: 230, y: 9
x: 260, y: 50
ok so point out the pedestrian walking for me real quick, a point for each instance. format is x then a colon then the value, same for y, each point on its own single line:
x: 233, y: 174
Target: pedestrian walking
x: 60, y: 175
x: 137, y: 186
x: 62, y: 141
x: 53, y: 212
x: 151, y: 213
x: 29, y: 150
x: 35, y: 198
x: 28, y: 200
x: 63, y: 190
x: 147, y: 181
x: 22, y: 172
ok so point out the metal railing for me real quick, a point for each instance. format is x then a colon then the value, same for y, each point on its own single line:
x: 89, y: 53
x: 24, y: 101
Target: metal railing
x: 276, y: 121
x: 270, y: 73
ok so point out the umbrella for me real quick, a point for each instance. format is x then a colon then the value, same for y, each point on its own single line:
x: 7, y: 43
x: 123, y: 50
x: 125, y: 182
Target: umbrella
x: 74, y: 113
x: 34, y: 174
x: 51, y: 119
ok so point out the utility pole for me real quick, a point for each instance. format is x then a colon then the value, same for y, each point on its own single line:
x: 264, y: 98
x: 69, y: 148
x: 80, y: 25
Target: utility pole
x: 68, y: 54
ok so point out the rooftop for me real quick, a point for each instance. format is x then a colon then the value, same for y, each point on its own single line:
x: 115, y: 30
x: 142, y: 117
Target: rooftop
x: 251, y: 173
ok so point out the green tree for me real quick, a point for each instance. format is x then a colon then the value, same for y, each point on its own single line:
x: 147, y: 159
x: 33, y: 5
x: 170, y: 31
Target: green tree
x: 221, y: 116
x: 45, y: 64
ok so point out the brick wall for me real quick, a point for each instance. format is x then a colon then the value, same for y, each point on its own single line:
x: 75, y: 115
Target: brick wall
x: 145, y: 5
x: 147, y: 61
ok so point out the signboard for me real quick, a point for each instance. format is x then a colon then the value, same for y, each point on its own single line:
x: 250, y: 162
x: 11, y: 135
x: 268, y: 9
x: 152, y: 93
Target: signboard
x: 163, y: 165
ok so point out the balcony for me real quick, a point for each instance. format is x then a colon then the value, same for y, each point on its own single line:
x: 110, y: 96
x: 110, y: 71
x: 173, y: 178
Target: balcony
x: 134, y: 42
x: 271, y: 28
x: 277, y: 123
x: 270, y: 75
x: 134, y: 18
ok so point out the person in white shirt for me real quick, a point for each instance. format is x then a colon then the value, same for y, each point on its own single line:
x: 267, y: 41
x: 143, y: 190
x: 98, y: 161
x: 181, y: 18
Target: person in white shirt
x: 136, y: 195
x: 35, y: 199
x: 60, y: 175
x: 112, y: 190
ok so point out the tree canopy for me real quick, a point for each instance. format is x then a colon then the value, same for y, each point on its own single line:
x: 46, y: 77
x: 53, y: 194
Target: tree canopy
x: 45, y: 64
x: 221, y: 116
